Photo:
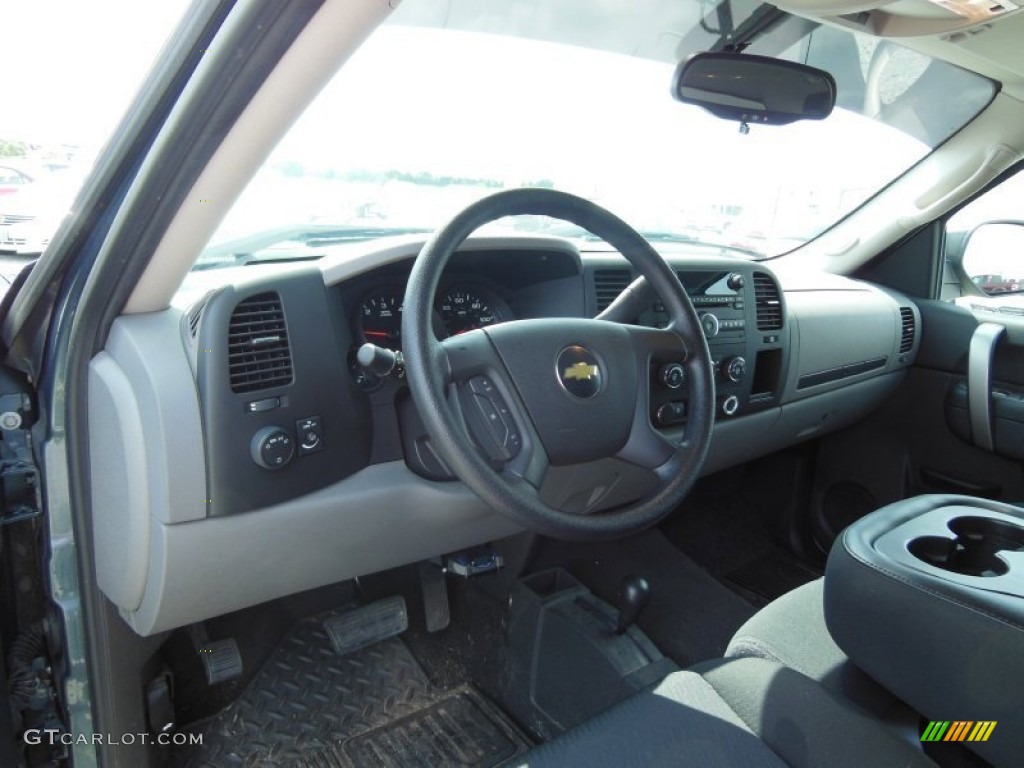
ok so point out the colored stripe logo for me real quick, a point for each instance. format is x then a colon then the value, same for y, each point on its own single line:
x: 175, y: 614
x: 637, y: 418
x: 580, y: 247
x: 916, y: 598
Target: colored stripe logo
x: 958, y: 730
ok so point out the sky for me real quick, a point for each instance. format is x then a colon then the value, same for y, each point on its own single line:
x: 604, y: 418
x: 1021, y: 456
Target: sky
x: 70, y: 68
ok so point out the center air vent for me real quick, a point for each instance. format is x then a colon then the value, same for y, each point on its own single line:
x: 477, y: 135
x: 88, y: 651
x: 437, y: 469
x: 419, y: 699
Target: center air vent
x: 258, y: 352
x: 907, y: 329
x: 767, y: 303
x: 608, y: 284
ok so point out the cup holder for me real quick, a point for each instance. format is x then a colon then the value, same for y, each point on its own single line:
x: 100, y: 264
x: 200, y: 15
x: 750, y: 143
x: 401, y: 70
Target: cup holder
x: 973, y: 551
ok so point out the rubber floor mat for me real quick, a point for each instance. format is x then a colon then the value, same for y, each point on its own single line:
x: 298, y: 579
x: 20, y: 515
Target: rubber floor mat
x: 462, y: 729
x: 307, y: 701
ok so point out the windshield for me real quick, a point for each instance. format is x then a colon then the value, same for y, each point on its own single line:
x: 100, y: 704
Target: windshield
x: 448, y: 103
x: 70, y: 73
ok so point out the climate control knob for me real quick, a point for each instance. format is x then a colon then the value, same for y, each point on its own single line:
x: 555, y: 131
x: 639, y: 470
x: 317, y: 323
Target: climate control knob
x: 672, y: 376
x: 734, y: 369
x: 709, y: 323
x: 730, y: 405
x: 272, y: 447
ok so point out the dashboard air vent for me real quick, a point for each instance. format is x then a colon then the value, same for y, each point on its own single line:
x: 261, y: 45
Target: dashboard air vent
x: 608, y: 284
x: 195, y: 314
x: 767, y: 302
x: 907, y: 330
x: 258, y: 353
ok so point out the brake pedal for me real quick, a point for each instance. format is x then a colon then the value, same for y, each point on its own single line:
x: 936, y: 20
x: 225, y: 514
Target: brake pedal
x: 221, y: 659
x: 367, y: 625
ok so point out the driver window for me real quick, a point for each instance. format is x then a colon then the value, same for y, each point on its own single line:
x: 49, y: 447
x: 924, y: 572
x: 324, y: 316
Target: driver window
x: 985, y: 250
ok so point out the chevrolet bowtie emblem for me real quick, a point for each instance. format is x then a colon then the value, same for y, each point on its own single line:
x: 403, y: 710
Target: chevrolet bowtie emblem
x: 580, y: 372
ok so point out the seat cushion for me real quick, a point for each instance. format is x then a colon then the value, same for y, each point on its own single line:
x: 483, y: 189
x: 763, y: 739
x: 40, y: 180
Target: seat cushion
x: 681, y: 722
x: 791, y: 631
x: 731, y: 713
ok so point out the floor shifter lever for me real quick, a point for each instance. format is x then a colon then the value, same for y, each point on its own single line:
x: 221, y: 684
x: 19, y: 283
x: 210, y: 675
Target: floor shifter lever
x: 634, y: 594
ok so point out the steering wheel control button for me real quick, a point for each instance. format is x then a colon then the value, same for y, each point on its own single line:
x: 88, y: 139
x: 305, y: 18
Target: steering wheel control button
x: 272, y: 447
x: 670, y: 413
x: 491, y: 422
x: 264, y: 405
x: 672, y: 375
x: 709, y: 323
x: 311, y: 435
x: 730, y: 405
x: 579, y: 372
x: 735, y: 368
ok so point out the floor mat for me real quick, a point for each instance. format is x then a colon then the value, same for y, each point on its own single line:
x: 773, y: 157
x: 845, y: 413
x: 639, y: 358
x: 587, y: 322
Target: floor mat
x: 307, y: 701
x: 771, y: 575
x: 460, y: 730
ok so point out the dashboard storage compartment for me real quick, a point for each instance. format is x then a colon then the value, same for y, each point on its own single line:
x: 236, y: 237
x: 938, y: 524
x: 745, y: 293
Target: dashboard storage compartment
x: 927, y: 597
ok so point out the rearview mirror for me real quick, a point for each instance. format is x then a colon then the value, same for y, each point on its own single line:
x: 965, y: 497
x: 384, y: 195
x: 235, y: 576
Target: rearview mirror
x: 754, y: 89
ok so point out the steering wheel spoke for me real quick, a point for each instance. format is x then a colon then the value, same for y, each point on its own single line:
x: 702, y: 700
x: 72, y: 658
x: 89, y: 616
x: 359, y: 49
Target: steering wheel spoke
x: 491, y: 413
x: 636, y: 298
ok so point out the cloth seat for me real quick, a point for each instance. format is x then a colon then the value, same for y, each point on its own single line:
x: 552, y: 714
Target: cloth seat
x: 791, y: 631
x: 731, y: 713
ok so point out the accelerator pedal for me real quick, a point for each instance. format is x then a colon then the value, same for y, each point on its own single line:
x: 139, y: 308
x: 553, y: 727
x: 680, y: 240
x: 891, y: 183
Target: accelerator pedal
x: 435, y: 596
x: 367, y: 625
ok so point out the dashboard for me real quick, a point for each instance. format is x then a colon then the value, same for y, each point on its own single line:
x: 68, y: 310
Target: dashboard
x: 313, y: 469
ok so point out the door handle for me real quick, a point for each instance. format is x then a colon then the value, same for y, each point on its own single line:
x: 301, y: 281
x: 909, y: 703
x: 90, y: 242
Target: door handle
x: 979, y: 383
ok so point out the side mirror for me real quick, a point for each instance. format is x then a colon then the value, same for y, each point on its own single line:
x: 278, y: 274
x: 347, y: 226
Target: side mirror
x: 754, y: 89
x: 993, y: 257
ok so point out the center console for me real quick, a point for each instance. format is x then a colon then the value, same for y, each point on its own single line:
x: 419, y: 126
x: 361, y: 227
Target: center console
x: 741, y: 312
x: 927, y: 597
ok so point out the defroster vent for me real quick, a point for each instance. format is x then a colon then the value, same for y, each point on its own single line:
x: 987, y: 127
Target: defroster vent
x: 258, y: 353
x: 907, y: 329
x: 608, y: 284
x: 767, y: 302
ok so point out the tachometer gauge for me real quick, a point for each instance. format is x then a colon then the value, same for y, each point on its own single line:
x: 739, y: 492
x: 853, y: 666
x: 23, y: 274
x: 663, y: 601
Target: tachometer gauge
x: 465, y: 309
x: 380, y: 318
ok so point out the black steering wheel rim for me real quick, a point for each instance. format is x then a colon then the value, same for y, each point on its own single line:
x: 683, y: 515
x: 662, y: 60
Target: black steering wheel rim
x: 430, y: 375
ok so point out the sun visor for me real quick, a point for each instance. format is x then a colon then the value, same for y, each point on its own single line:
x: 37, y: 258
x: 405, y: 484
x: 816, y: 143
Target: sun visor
x: 904, y: 18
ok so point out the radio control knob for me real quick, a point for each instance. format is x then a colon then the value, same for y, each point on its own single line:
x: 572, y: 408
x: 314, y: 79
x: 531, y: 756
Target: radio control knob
x: 709, y: 323
x: 272, y: 447
x: 672, y: 376
x: 735, y: 368
x: 736, y: 281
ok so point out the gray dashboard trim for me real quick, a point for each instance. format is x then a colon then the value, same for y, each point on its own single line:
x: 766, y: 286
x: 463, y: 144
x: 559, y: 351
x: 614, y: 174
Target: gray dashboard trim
x: 117, y: 466
x: 820, y: 323
x: 381, y: 517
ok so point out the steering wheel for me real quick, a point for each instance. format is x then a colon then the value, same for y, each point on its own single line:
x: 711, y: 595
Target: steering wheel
x: 505, y: 404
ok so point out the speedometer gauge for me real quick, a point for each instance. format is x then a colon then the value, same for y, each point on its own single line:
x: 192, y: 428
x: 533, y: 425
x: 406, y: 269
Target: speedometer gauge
x: 465, y: 309
x: 380, y: 318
